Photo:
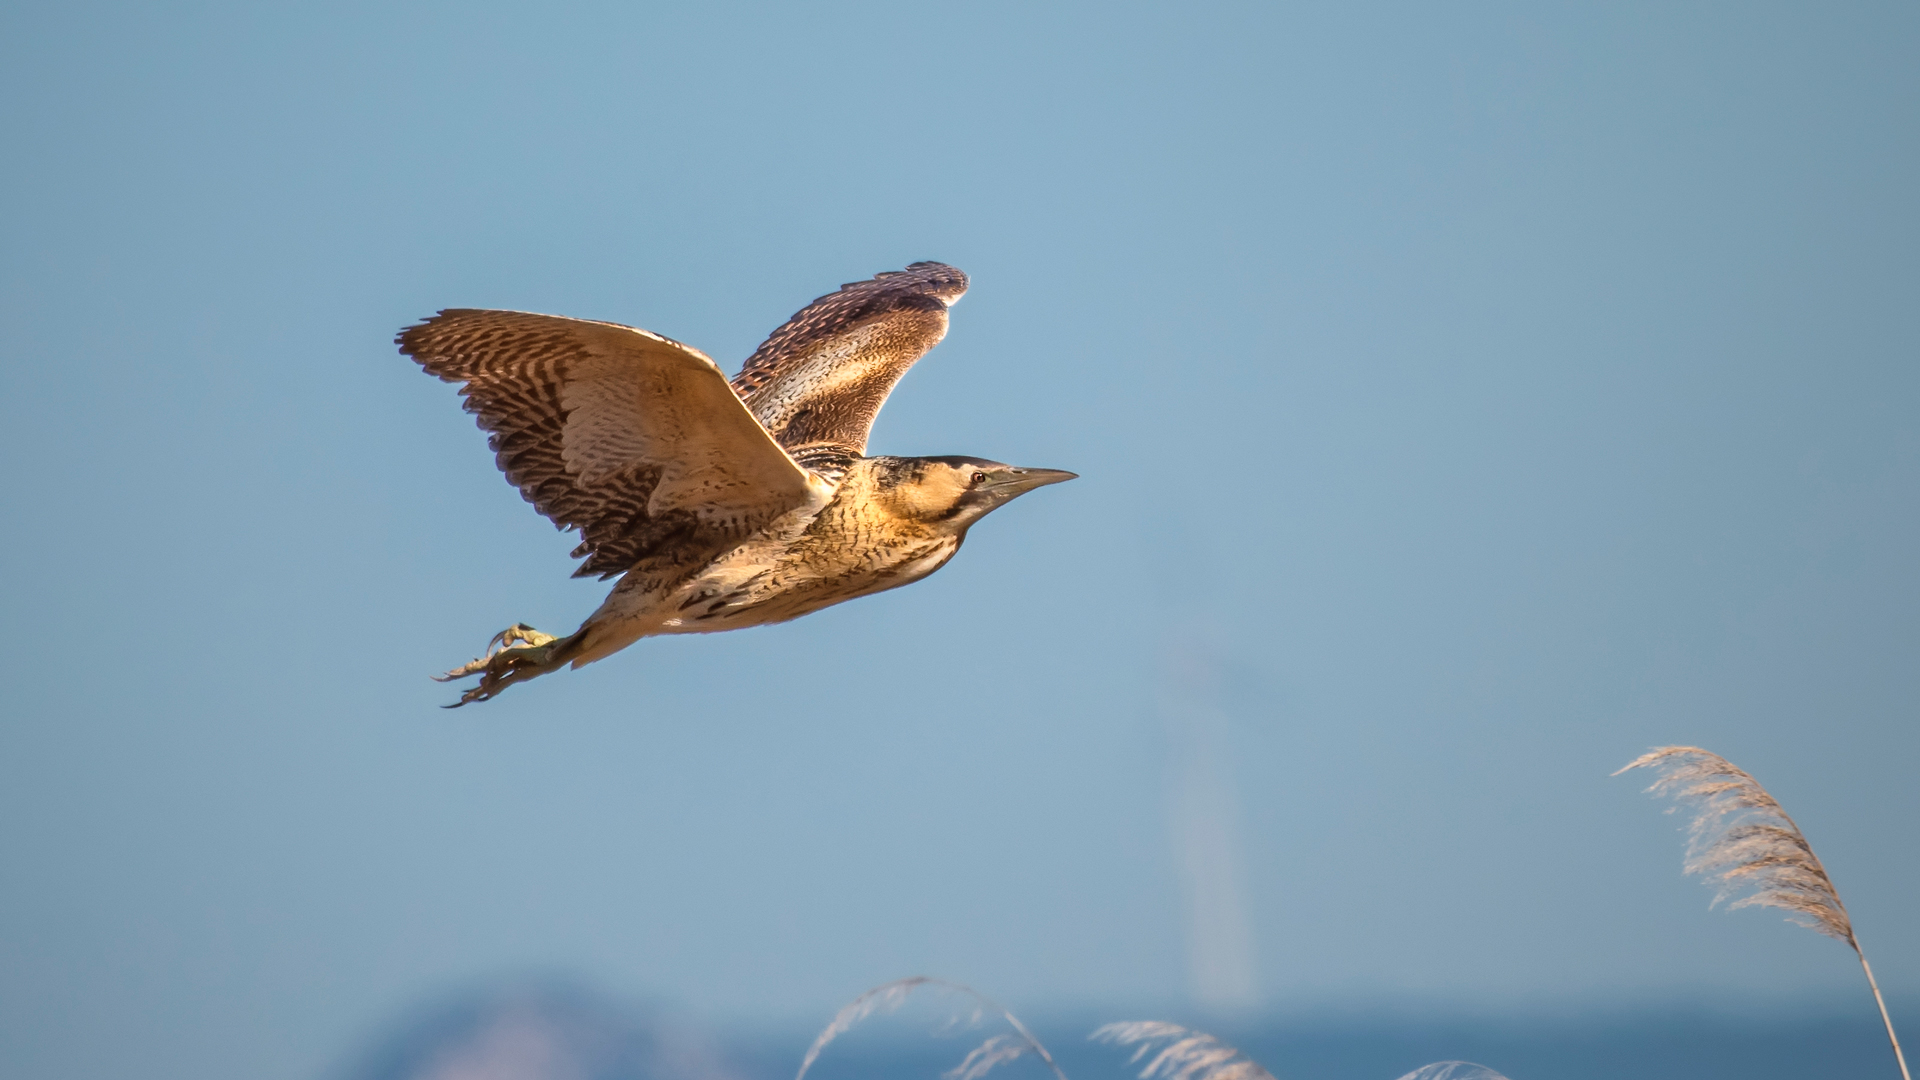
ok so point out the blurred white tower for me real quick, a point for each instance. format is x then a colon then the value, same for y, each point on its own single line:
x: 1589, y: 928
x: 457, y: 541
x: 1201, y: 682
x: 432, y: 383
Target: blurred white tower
x: 1204, y: 818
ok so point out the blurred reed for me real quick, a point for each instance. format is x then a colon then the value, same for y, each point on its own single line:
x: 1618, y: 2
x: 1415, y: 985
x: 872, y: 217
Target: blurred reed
x: 1453, y: 1070
x: 1184, y: 1054
x: 995, y: 1051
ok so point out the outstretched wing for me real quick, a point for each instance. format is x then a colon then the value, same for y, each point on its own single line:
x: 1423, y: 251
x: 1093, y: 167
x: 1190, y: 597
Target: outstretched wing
x: 634, y: 439
x: 819, y: 381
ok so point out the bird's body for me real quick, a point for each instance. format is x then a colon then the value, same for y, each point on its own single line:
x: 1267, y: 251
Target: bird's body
x: 719, y: 506
x: 808, y: 559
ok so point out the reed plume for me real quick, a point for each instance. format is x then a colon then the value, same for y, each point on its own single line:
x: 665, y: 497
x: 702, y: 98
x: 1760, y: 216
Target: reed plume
x: 1185, y: 1054
x: 1453, y: 1070
x: 995, y: 1051
x: 1745, y: 844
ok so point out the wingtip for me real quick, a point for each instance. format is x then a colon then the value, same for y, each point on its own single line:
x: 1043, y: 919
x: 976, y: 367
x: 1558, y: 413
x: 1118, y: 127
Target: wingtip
x: 407, y: 348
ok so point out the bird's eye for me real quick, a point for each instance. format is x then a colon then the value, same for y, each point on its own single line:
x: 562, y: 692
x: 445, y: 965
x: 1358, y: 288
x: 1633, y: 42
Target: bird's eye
x: 979, y: 478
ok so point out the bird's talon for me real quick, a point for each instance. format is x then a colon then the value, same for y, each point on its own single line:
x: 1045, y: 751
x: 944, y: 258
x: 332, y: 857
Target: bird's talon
x: 516, y: 653
x: 517, y: 634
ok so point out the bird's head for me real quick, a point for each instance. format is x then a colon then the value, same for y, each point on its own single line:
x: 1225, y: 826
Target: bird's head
x: 954, y: 492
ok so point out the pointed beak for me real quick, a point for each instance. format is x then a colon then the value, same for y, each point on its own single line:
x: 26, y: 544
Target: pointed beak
x: 1012, y: 483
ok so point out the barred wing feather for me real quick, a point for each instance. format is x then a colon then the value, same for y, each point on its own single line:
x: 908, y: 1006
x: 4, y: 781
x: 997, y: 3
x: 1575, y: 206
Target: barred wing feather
x: 819, y: 380
x: 634, y: 439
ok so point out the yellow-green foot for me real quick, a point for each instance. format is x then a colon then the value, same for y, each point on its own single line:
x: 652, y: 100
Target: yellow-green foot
x: 515, y: 654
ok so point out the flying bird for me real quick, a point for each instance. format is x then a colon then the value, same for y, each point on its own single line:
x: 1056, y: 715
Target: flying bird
x: 718, y: 505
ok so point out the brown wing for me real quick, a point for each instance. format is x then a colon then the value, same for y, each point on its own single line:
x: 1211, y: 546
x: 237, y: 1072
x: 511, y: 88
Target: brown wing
x: 634, y: 439
x: 819, y: 381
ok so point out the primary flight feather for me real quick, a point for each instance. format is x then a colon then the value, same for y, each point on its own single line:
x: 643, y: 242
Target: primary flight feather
x: 718, y: 505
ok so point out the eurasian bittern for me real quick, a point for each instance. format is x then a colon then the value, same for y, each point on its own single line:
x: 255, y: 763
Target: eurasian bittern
x: 719, y: 505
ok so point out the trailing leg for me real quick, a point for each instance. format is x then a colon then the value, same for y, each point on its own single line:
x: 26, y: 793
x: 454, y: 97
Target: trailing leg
x: 515, y: 654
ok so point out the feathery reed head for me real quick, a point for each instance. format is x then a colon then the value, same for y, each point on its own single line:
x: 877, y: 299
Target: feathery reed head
x: 1184, y: 1054
x: 995, y: 1051
x: 1744, y: 842
x: 1453, y: 1070
x: 983, y: 1059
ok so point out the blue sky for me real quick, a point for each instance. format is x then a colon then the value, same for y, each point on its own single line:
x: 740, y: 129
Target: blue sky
x: 1487, y: 392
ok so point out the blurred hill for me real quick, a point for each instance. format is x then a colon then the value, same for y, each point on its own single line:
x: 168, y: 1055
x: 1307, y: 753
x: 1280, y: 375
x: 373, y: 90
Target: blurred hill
x: 539, y: 1030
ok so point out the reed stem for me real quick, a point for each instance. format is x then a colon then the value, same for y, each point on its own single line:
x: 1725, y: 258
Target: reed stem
x: 1884, y: 1017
